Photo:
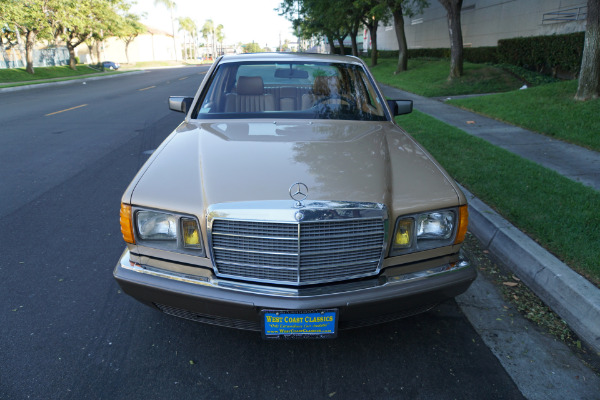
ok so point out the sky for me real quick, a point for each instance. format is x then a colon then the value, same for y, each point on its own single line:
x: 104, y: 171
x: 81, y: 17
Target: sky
x: 243, y: 20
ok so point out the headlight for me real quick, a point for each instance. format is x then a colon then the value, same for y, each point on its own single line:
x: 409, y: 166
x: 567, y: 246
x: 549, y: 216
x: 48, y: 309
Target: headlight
x: 427, y: 230
x: 154, y: 225
x: 435, y: 225
x: 167, y: 231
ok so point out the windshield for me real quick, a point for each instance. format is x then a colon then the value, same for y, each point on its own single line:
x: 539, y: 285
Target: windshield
x: 290, y: 90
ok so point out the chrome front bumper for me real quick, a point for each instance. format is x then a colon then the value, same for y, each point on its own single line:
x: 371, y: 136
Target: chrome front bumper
x: 238, y: 304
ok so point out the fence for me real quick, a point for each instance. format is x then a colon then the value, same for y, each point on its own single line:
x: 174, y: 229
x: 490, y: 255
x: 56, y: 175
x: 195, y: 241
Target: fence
x: 14, y: 58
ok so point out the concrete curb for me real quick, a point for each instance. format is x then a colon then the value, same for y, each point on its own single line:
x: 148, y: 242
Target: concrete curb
x: 570, y: 295
x: 70, y: 81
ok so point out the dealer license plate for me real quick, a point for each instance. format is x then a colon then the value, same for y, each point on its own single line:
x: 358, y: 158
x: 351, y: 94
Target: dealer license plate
x: 306, y: 324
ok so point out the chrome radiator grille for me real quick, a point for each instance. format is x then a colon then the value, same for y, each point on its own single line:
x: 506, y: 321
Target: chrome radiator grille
x: 297, y: 253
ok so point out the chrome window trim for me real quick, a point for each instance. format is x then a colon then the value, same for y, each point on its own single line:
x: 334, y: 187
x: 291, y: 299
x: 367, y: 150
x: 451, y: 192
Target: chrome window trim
x: 285, y: 212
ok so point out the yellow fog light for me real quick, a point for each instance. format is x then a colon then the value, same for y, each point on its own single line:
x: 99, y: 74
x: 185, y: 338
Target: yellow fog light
x: 191, y: 233
x: 403, y: 234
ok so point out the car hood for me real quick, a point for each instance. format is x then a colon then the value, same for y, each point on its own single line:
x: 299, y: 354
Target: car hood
x: 204, y: 163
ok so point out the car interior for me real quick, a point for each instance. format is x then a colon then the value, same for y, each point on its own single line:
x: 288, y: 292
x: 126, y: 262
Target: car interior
x: 306, y: 90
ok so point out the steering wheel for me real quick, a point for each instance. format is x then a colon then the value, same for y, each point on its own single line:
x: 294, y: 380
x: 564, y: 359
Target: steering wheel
x: 351, y: 102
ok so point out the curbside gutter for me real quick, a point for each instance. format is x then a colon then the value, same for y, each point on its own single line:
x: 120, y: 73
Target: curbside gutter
x: 570, y: 295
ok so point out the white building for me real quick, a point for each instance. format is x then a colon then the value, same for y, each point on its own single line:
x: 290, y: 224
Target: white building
x: 484, y: 22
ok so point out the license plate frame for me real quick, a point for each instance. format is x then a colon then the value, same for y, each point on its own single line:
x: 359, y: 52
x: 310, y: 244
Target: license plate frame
x: 299, y: 324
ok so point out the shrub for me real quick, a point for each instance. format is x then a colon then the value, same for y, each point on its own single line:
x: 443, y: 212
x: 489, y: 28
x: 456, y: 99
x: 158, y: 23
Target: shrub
x: 551, y: 55
x: 481, y: 55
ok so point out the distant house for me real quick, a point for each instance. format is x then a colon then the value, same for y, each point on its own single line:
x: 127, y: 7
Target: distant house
x: 152, y: 45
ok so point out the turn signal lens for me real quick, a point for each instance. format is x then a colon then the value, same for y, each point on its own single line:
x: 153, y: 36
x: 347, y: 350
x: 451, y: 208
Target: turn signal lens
x: 463, y: 223
x: 191, y: 233
x: 126, y: 224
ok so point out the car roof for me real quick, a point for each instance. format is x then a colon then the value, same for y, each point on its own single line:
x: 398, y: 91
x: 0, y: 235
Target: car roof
x: 289, y: 56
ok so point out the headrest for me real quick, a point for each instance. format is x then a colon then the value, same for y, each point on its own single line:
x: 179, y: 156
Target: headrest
x: 250, y: 86
x: 326, y: 85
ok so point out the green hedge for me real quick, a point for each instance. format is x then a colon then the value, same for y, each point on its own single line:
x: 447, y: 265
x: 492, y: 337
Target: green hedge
x: 481, y: 55
x: 550, y: 55
x: 428, y: 53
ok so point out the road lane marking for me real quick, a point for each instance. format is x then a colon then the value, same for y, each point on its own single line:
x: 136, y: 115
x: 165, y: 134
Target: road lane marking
x: 185, y: 77
x: 149, y: 87
x: 68, y: 109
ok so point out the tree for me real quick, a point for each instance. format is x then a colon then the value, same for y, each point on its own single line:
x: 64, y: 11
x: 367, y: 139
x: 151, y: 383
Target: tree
x: 188, y: 26
x: 377, y: 11
x: 9, y: 35
x: 208, y: 32
x: 92, y: 44
x: 79, y: 20
x: 31, y: 19
x: 456, y: 41
x: 131, y: 28
x: 220, y: 36
x: 170, y: 5
x: 317, y: 18
x: 252, y: 48
x: 399, y: 9
x: 355, y: 11
x: 589, y: 74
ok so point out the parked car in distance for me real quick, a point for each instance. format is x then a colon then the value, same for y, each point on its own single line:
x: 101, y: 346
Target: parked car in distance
x: 111, y: 65
x: 290, y: 202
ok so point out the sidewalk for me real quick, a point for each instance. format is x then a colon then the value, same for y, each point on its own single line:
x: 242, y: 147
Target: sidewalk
x: 574, y: 162
x: 571, y: 296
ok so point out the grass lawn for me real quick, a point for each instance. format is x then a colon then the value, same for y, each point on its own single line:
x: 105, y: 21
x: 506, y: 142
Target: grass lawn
x: 549, y: 109
x: 560, y: 214
x: 20, y: 75
x: 429, y: 77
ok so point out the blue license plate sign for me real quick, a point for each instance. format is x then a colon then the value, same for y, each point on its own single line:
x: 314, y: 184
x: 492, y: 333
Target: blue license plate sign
x: 309, y: 324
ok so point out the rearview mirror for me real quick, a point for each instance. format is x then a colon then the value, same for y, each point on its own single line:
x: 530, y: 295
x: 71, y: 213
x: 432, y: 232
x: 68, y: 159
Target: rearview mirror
x: 400, y: 107
x: 180, y: 103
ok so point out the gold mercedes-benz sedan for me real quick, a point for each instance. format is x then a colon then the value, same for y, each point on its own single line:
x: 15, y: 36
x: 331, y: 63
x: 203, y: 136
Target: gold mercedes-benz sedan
x: 289, y: 202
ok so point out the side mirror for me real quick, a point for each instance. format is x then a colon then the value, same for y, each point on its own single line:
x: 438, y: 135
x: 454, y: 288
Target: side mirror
x: 400, y: 107
x: 180, y: 103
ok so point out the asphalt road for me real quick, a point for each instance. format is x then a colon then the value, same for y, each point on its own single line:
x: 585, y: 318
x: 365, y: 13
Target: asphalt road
x: 67, y: 154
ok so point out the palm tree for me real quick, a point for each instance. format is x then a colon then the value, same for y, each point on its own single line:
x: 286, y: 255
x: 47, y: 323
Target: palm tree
x: 170, y: 4
x: 187, y: 25
x: 208, y: 30
x: 220, y: 36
